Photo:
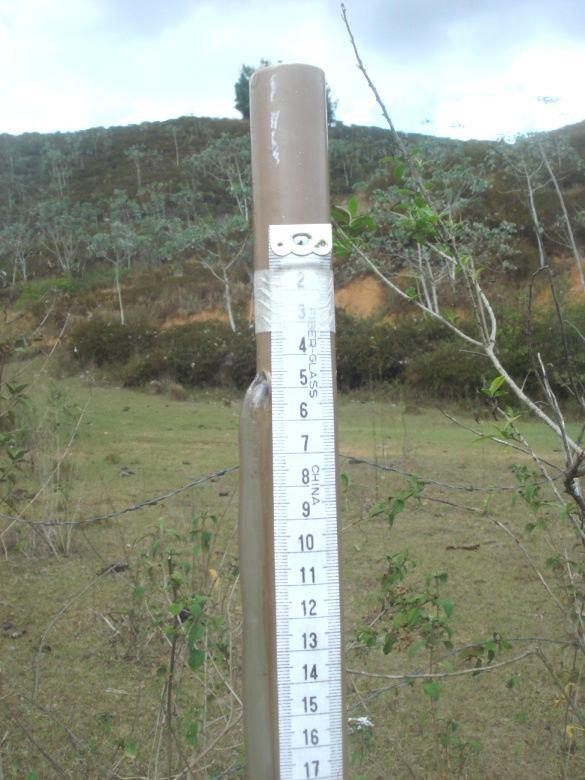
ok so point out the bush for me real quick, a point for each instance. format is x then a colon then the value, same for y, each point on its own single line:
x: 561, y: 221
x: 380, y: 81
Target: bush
x: 198, y: 354
x: 421, y: 353
x: 101, y: 343
x: 449, y: 371
x: 520, y: 341
x: 373, y: 351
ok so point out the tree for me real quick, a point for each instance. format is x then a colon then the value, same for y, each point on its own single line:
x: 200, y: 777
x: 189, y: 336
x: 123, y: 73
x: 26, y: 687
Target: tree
x: 16, y: 243
x: 221, y: 174
x: 63, y: 230
x: 137, y: 154
x: 116, y: 245
x: 331, y: 106
x: 558, y: 481
x: 539, y: 165
x: 242, y: 88
x: 220, y: 245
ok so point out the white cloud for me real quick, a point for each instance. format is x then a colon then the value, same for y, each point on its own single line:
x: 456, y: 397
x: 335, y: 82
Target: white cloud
x: 539, y: 91
x: 69, y: 64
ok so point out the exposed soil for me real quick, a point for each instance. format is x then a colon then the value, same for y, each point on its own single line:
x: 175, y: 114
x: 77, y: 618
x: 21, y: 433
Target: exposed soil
x: 362, y: 297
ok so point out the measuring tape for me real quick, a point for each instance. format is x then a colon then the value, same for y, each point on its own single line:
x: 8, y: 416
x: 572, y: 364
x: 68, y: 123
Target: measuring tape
x: 296, y: 295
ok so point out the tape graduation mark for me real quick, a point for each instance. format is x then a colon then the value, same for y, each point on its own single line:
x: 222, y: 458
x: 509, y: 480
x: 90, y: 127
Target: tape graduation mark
x: 308, y: 615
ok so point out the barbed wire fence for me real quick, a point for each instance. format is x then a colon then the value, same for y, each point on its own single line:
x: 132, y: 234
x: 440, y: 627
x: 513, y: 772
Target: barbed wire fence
x: 350, y: 459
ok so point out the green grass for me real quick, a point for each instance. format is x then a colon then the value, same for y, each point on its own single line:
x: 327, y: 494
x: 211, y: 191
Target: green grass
x: 99, y: 668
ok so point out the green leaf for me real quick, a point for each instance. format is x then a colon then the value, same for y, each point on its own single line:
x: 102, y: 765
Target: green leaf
x: 399, y: 171
x: 196, y: 658
x: 192, y: 733
x: 361, y: 224
x: 431, y: 689
x: 341, y: 247
x: 353, y: 206
x: 15, y: 389
x: 389, y: 642
x: 131, y: 749
x: 345, y: 481
x: 495, y: 385
x: 340, y: 215
x: 367, y: 637
x: 447, y: 606
x: 196, y: 633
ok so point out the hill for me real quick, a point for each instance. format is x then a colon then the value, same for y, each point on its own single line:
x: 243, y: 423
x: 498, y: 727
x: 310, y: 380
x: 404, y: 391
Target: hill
x: 140, y: 224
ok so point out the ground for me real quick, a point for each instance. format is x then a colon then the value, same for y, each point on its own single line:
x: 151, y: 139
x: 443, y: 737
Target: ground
x: 86, y: 651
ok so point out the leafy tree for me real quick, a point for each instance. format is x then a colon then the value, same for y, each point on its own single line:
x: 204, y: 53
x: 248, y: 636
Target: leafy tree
x: 117, y: 245
x: 63, y: 230
x: 221, y: 174
x: 331, y: 106
x: 561, y: 504
x: 159, y: 239
x: 220, y: 244
x: 537, y: 167
x: 16, y: 245
x: 242, y: 88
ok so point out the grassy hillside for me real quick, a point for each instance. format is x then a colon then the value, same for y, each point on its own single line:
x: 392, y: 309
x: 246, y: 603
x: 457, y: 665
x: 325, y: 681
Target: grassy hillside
x: 138, y: 224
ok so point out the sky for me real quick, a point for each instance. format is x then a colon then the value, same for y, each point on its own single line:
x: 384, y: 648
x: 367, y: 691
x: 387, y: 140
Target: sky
x: 457, y: 68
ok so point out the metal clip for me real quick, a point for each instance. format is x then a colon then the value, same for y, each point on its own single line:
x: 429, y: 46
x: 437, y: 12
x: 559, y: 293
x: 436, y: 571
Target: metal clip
x: 301, y: 240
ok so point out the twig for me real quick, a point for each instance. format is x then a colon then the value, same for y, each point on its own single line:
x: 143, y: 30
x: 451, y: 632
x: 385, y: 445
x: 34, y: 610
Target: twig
x: 559, y: 685
x: 438, y: 675
x: 60, y: 771
x: 37, y: 658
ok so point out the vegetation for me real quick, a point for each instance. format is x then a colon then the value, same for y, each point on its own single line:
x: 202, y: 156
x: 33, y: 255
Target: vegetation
x: 127, y: 251
x: 89, y: 631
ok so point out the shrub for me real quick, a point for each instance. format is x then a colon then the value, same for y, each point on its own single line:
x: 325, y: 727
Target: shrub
x: 355, y: 350
x: 197, y: 354
x: 101, y: 343
x: 374, y: 351
x: 449, y: 371
x: 421, y: 353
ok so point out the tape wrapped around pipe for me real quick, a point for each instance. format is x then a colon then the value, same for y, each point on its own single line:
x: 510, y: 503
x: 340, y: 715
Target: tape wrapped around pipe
x: 292, y: 265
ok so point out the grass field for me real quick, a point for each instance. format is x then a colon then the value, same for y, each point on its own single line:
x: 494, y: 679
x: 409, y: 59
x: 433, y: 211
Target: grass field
x: 86, y: 654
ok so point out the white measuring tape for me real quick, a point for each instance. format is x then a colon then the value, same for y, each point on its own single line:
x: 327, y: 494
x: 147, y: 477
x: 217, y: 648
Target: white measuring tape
x: 294, y: 301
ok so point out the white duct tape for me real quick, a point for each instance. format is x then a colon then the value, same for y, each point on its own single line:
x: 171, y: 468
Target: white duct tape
x: 299, y: 259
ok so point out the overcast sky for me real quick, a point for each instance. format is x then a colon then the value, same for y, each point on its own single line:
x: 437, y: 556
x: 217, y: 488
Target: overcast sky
x: 460, y: 68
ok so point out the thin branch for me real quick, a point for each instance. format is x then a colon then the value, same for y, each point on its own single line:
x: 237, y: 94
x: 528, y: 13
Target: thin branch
x: 440, y: 675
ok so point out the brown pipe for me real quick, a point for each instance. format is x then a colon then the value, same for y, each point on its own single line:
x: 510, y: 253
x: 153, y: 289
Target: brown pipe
x: 288, y: 123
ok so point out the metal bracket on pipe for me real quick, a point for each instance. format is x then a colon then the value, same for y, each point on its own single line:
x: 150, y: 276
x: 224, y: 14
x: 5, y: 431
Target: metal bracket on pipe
x: 301, y: 240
